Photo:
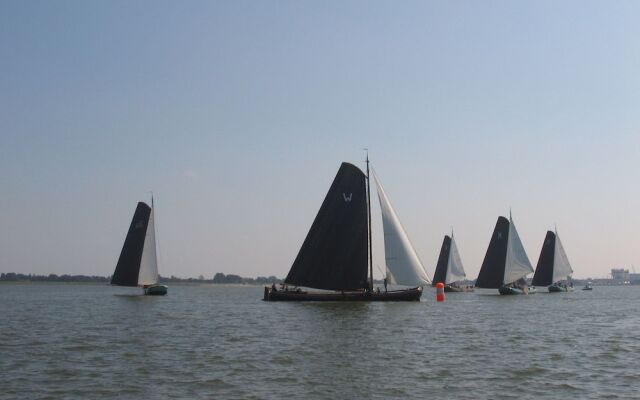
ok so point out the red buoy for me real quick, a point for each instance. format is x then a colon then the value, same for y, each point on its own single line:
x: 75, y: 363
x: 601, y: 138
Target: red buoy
x: 440, y: 291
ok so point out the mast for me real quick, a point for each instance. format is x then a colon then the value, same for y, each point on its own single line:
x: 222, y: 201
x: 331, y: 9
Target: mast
x: 369, y: 224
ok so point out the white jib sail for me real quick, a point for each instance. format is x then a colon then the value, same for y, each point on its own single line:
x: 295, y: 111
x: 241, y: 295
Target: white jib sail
x: 402, y: 260
x: 517, y: 264
x: 455, y: 270
x: 148, y: 274
x: 561, y: 266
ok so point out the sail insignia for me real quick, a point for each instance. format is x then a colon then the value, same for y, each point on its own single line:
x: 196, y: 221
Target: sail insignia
x: 493, y: 266
x: 544, y: 269
x: 140, y: 236
x: 334, y: 254
x: 443, y: 261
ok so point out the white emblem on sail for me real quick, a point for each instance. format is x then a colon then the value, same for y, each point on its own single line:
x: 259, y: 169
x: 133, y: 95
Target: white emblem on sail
x: 148, y: 274
x: 403, y: 265
x: 517, y: 264
x: 347, y: 199
x: 561, y: 266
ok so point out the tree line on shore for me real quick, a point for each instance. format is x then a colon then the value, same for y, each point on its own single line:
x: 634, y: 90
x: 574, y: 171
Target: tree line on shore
x: 218, y: 278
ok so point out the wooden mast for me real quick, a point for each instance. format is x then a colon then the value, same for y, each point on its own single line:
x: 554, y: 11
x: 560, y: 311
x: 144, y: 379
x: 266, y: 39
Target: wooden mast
x: 369, y: 224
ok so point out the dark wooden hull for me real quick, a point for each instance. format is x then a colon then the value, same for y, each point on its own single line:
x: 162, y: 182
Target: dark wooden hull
x: 457, y: 289
x: 413, y: 294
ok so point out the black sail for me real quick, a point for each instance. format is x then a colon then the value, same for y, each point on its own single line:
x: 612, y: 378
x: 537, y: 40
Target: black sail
x: 544, y: 269
x: 443, y: 260
x: 492, y: 270
x: 128, y: 267
x: 334, y: 253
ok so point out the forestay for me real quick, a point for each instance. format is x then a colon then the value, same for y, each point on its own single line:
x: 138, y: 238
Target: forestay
x: 148, y: 274
x: 517, y: 263
x: 455, y: 270
x: 403, y: 265
x: 561, y: 266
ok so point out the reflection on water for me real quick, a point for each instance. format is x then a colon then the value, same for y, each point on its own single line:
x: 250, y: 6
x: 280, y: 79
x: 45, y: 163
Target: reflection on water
x: 102, y: 342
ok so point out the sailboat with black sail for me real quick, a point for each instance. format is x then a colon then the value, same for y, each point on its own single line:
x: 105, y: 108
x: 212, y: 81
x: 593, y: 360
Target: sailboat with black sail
x: 138, y: 263
x: 505, y: 264
x: 336, y: 255
x: 553, y: 269
x: 449, y: 269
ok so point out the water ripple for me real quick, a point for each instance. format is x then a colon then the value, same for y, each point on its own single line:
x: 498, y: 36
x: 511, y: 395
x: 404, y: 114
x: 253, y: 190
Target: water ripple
x: 101, y: 342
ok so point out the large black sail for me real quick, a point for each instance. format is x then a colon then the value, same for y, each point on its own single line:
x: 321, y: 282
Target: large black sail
x: 334, y: 254
x: 128, y: 267
x: 544, y: 269
x: 492, y: 270
x: 443, y: 260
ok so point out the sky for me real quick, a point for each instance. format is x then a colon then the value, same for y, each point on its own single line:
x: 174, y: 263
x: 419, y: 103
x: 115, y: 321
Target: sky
x: 237, y: 115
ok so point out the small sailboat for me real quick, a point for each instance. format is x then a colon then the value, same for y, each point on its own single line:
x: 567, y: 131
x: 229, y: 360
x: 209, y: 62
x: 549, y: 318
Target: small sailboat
x: 336, y: 255
x: 505, y: 264
x: 449, y: 269
x: 138, y: 263
x: 553, y: 269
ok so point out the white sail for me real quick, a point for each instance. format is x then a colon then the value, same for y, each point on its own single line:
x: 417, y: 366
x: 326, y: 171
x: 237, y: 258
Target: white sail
x: 517, y: 264
x: 561, y: 266
x: 455, y: 270
x: 148, y: 274
x: 403, y: 265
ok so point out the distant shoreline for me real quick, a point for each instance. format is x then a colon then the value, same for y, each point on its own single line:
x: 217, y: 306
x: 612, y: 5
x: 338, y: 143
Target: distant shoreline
x: 218, y: 279
x: 96, y: 283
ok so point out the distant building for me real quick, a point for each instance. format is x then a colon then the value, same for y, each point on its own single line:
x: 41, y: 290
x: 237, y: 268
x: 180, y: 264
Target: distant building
x: 634, y: 278
x: 620, y: 275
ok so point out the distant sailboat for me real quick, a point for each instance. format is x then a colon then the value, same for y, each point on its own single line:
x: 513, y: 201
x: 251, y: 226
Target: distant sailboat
x: 449, y: 269
x: 553, y: 265
x: 337, y: 251
x: 506, y: 263
x: 138, y: 264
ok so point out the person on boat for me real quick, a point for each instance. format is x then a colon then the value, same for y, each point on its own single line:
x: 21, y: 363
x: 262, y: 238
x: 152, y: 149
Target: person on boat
x: 273, y: 287
x: 385, y: 284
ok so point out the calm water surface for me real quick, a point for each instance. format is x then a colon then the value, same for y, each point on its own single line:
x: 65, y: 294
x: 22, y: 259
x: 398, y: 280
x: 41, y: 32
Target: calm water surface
x: 80, y: 341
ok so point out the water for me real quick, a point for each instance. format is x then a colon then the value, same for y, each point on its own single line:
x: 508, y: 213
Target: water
x: 79, y: 341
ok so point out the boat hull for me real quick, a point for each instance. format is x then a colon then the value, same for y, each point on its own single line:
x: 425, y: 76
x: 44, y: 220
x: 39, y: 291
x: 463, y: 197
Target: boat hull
x: 560, y: 289
x: 507, y: 290
x: 155, y: 290
x: 413, y: 294
x: 457, y: 289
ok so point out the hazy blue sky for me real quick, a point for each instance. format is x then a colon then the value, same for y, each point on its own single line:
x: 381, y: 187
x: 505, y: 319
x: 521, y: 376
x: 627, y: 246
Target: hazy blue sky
x: 237, y: 115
